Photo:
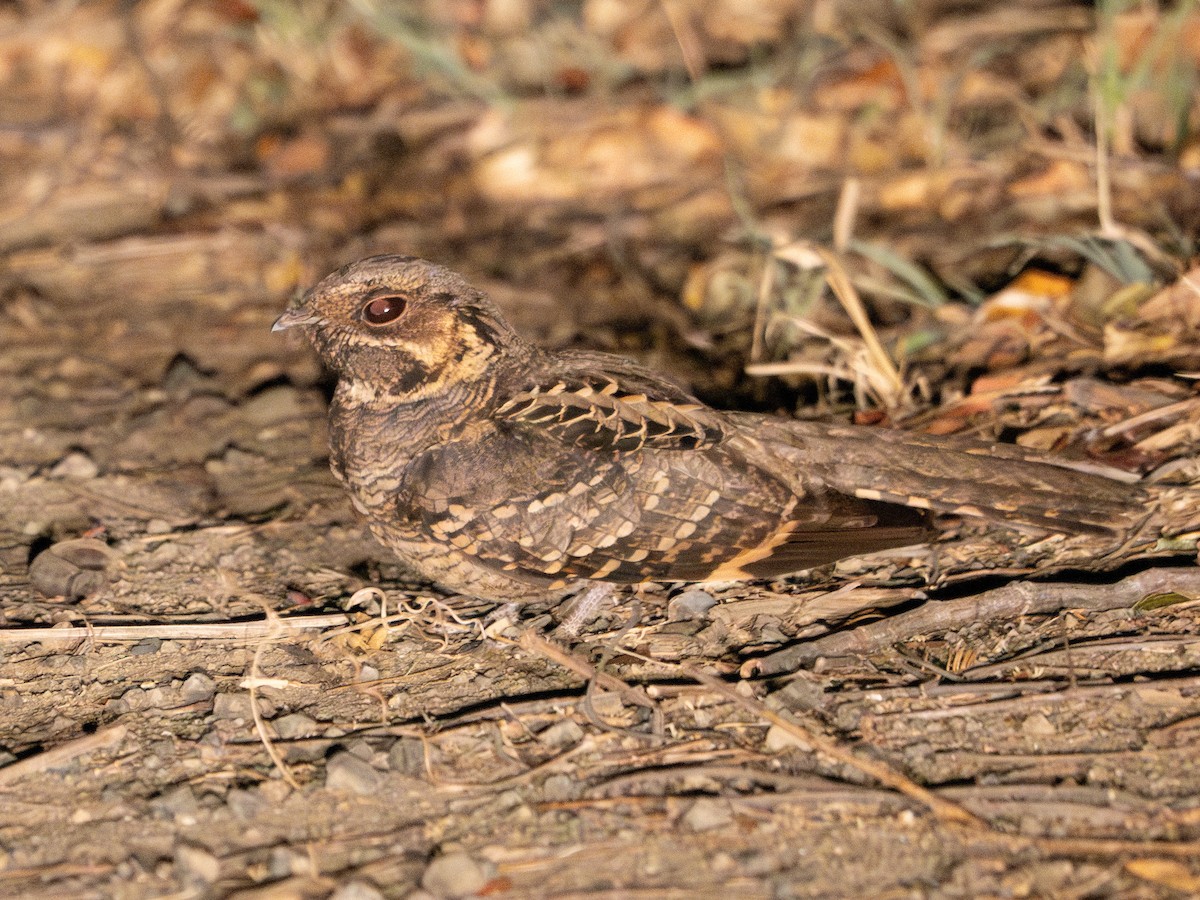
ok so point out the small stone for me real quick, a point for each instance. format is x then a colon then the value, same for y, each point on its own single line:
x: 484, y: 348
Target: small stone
x: 295, y: 725
x: 72, y: 569
x: 690, y: 605
x: 196, y: 866
x: 361, y: 748
x: 566, y: 733
x: 559, y: 787
x: 158, y: 526
x: 356, y: 890
x: 161, y: 557
x: 12, y: 478
x: 179, y: 803
x: 281, y: 862
x: 146, y: 647
x: 509, y: 800
x: 197, y: 687
x: 778, y: 739
x: 1038, y: 725
x: 232, y: 706
x: 135, y: 699
x: 245, y: 805
x: 160, y: 698
x: 273, y: 405
x: 455, y: 874
x: 116, y: 707
x: 722, y: 863
x: 708, y: 813
x: 346, y: 772
x: 75, y: 466
x: 274, y: 792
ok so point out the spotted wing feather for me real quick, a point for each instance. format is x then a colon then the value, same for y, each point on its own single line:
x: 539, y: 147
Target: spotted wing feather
x: 548, y: 507
x: 599, y: 412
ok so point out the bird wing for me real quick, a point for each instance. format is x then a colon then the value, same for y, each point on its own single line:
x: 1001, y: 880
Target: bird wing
x: 542, y: 510
x: 608, y: 472
x: 602, y: 411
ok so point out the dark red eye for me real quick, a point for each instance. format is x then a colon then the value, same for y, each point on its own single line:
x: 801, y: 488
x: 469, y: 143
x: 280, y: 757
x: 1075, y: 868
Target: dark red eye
x: 382, y: 310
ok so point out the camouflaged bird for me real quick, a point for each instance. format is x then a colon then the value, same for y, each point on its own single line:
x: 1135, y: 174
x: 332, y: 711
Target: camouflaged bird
x: 504, y: 471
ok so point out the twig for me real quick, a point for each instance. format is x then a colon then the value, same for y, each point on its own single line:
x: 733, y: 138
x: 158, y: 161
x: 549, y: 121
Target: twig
x: 685, y: 37
x: 1104, y: 207
x: 192, y: 631
x: 1007, y: 602
x: 59, y: 756
x: 1153, y: 416
x: 881, y: 772
x: 259, y: 724
x: 535, y: 643
x: 839, y: 282
x: 846, y: 213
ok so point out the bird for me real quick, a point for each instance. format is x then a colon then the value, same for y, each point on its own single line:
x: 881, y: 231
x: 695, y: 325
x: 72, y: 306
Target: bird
x: 504, y: 471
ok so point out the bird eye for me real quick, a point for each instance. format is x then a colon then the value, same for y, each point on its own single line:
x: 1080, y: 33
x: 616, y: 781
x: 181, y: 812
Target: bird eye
x: 382, y: 310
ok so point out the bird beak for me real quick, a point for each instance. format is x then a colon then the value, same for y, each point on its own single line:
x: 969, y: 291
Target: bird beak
x: 293, y: 317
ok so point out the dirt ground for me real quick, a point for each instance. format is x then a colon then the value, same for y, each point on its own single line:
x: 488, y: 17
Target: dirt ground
x: 213, y: 683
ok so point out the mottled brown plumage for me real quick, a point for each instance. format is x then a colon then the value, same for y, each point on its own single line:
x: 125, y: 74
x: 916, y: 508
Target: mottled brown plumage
x: 504, y: 471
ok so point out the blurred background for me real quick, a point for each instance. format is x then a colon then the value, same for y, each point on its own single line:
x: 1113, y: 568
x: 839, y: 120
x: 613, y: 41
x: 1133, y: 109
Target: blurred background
x: 622, y: 174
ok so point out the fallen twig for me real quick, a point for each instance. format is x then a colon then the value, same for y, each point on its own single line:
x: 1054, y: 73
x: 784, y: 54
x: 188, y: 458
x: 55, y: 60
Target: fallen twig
x: 190, y: 631
x: 1007, y: 602
x: 880, y: 771
x: 59, y: 756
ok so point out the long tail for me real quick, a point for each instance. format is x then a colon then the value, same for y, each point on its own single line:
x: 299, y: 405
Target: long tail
x: 998, y: 482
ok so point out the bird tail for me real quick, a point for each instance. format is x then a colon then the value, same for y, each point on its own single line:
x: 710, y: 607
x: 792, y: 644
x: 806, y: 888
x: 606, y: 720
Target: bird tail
x: 998, y: 482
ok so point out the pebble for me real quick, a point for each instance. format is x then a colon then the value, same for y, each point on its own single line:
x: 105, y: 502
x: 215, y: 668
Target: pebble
x: 455, y: 874
x: 146, y: 647
x: 135, y: 699
x: 274, y: 792
x: 295, y: 725
x: 196, y: 866
x: 273, y: 405
x: 245, y: 805
x: 708, y: 813
x: 1038, y: 725
x: 197, y: 687
x: 778, y: 739
x: 282, y: 862
x: 180, y: 803
x: 356, y: 890
x: 690, y: 605
x: 75, y: 466
x: 566, y: 733
x: 232, y: 706
x: 559, y: 787
x: 360, y: 748
x: 73, y: 569
x: 346, y: 772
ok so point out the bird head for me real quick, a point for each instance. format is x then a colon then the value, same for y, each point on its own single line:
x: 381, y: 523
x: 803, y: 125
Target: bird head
x: 399, y: 328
